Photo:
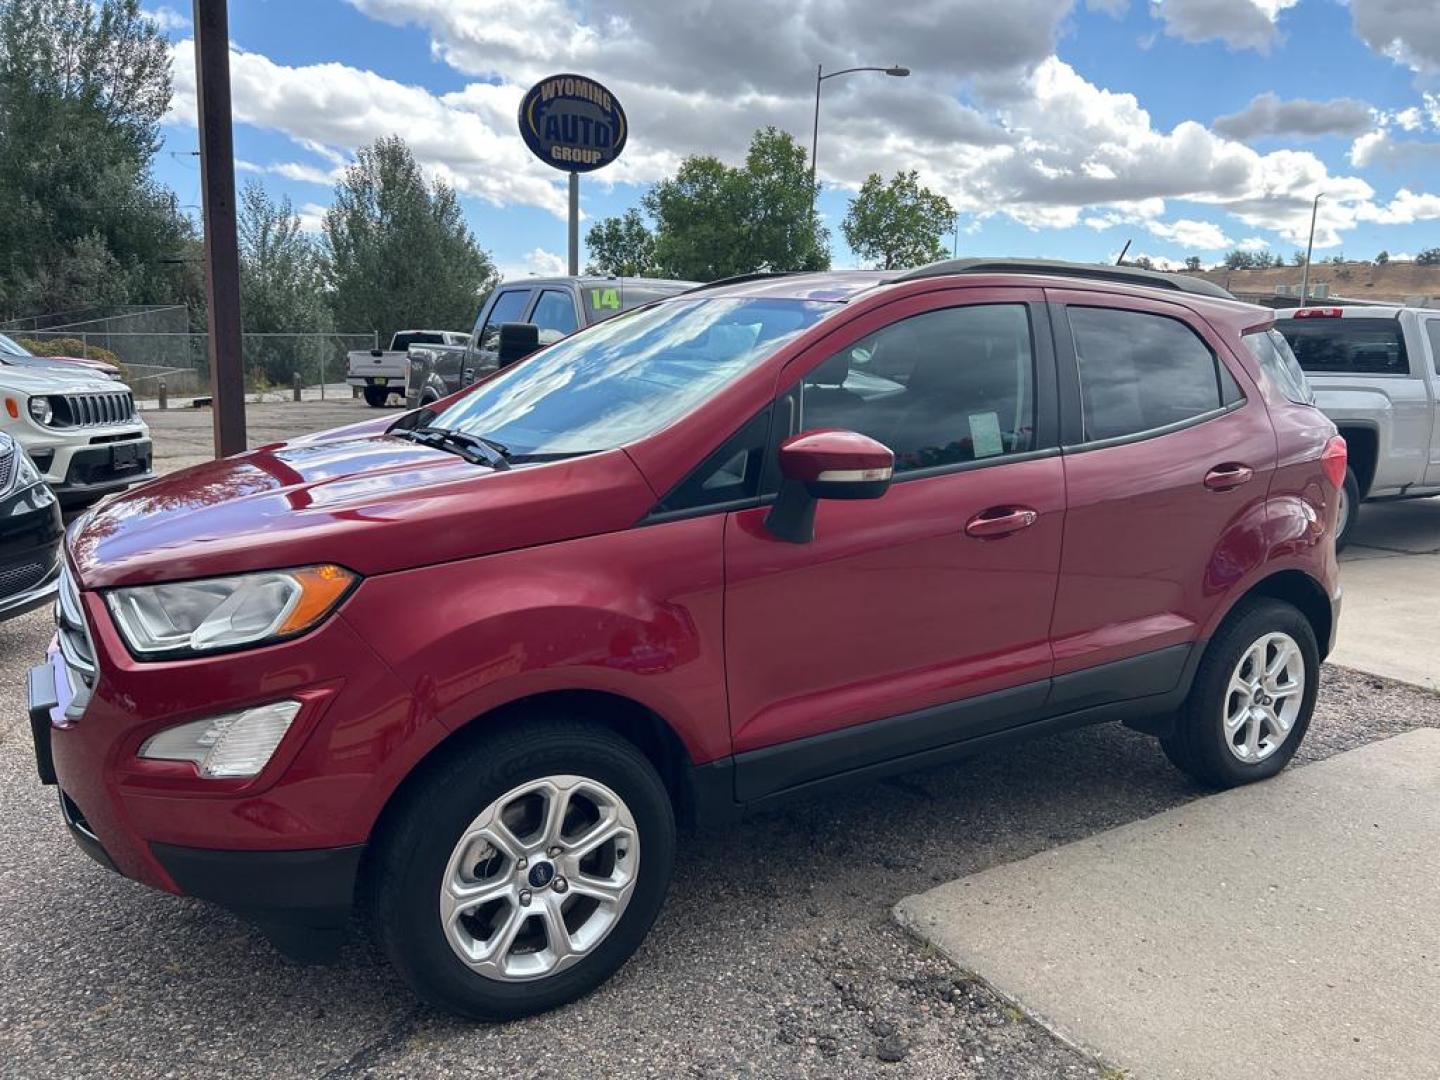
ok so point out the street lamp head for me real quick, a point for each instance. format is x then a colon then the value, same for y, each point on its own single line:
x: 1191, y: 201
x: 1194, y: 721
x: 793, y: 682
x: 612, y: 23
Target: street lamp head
x: 897, y: 72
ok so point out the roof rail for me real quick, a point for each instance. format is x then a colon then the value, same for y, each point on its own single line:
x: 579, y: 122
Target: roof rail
x: 736, y: 279
x: 1132, y: 275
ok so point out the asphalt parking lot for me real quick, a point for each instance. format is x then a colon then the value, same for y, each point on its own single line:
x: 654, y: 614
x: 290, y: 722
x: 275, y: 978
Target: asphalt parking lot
x: 775, y: 955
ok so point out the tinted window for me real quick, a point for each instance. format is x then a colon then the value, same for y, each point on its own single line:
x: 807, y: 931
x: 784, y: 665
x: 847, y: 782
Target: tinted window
x: 1280, y: 366
x: 730, y: 474
x: 1328, y: 346
x: 625, y: 378
x: 401, y: 342
x: 939, y: 389
x: 1432, y: 328
x: 554, y: 314
x: 509, y: 307
x: 1139, y: 372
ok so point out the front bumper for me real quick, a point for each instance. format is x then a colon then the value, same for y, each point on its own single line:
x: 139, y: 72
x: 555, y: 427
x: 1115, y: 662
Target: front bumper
x: 30, y: 533
x: 99, y: 470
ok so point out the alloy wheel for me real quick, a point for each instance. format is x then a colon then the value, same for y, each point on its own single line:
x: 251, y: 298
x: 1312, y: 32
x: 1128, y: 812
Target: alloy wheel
x: 1263, y: 700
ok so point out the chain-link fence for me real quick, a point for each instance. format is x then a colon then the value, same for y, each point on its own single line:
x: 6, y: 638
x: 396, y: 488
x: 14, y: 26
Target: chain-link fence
x: 181, y: 360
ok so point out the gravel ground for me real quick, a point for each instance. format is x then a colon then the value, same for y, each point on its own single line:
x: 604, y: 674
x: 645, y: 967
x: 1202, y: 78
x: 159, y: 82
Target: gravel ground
x: 775, y: 954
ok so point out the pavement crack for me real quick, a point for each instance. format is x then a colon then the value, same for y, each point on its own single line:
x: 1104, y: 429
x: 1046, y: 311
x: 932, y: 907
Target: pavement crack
x: 369, y: 1054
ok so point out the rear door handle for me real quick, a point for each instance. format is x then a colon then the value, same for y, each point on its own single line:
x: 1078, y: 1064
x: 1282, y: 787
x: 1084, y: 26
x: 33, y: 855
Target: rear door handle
x: 1228, y: 476
x: 1000, y: 521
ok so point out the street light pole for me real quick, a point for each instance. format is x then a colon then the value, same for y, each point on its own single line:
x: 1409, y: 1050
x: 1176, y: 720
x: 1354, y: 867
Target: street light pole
x: 1309, y: 248
x: 820, y: 76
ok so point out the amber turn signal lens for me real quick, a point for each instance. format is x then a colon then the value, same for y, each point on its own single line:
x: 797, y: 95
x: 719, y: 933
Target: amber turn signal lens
x: 322, y: 587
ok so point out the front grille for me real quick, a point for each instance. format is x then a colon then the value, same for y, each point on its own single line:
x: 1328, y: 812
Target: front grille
x: 71, y: 632
x: 93, y: 410
x: 8, y: 458
x: 23, y: 577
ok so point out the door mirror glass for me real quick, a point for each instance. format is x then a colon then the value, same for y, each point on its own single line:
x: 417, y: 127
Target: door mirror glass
x: 826, y: 465
x: 517, y: 341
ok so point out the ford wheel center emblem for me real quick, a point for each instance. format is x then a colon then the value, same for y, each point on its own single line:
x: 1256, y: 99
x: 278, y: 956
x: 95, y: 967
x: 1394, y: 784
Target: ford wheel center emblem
x: 572, y: 123
x: 541, y: 874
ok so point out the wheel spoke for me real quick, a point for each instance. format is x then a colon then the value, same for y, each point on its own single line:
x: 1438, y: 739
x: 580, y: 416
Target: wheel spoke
x: 1252, y: 735
x: 606, y: 890
x: 465, y: 897
x: 556, y: 933
x: 1278, y: 724
x: 606, y: 829
x: 1284, y: 652
x: 494, y: 952
x: 557, y: 802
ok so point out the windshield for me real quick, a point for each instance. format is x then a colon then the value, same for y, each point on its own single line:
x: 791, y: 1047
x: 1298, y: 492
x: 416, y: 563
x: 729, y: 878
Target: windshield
x: 9, y: 347
x: 627, y: 377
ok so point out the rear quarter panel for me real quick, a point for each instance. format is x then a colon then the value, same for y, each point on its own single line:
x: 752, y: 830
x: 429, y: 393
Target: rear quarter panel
x: 1397, y: 408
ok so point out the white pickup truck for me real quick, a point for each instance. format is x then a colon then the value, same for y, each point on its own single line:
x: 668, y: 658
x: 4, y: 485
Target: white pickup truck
x: 1375, y: 371
x: 382, y: 372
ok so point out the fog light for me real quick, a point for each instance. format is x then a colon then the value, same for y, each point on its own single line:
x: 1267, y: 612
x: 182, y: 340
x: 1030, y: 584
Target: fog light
x: 237, y: 744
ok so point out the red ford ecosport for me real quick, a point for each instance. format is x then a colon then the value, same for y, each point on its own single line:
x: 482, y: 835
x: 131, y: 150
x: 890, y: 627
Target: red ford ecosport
x: 764, y: 537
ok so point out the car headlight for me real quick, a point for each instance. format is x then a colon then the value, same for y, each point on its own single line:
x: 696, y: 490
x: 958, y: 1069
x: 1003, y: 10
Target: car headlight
x: 190, y: 617
x: 40, y: 410
x: 25, y: 471
x: 237, y: 744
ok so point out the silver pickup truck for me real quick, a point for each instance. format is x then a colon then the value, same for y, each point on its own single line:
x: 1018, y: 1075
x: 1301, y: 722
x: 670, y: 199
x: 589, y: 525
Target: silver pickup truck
x: 1376, y: 373
x: 382, y: 372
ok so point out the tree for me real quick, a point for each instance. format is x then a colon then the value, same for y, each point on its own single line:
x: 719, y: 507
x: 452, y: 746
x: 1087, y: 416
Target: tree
x: 621, y: 245
x: 282, y: 286
x: 899, y: 224
x: 1382, y: 258
x: 1193, y: 263
x: 713, y: 220
x: 1428, y: 257
x: 398, y: 252
x: 83, y: 87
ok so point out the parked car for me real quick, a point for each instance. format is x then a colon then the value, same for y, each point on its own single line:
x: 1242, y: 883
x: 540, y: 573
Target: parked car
x: 80, y: 429
x: 555, y: 306
x: 13, y: 354
x: 382, y: 372
x: 474, y: 663
x: 1376, y: 373
x: 30, y: 532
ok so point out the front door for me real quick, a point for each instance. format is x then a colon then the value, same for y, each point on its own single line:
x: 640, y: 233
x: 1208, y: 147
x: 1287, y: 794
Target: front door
x: 938, y: 593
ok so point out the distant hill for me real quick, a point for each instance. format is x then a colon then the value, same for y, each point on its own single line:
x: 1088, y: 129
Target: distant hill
x: 1392, y: 281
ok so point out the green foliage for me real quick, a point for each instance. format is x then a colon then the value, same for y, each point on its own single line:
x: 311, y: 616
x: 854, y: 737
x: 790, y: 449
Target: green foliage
x: 398, y: 252
x: 714, y: 220
x: 621, y: 245
x: 70, y: 347
x: 1252, y: 260
x: 1382, y: 258
x: 1193, y: 263
x: 1144, y: 262
x: 1428, y: 257
x: 83, y: 87
x: 899, y: 224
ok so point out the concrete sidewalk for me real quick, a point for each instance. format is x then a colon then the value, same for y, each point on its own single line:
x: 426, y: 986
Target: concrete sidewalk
x: 1285, y: 930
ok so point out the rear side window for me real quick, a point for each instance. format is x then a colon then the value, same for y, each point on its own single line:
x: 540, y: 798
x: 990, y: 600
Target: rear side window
x: 509, y: 307
x: 402, y: 342
x: 1432, y: 328
x: 1280, y: 366
x: 1339, y: 346
x: 1140, y: 372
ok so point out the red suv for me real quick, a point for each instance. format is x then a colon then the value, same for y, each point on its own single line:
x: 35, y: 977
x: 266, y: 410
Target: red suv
x: 764, y: 538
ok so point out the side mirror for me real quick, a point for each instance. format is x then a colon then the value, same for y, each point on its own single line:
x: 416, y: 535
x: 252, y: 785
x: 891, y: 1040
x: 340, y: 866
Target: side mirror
x: 517, y: 341
x: 826, y: 465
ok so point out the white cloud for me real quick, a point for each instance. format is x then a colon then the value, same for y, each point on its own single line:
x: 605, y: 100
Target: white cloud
x: 1240, y: 24
x: 312, y: 217
x: 166, y: 19
x: 1193, y: 235
x: 537, y: 263
x: 1268, y: 115
x: 1407, y: 31
x: 1406, y: 208
x: 1379, y: 149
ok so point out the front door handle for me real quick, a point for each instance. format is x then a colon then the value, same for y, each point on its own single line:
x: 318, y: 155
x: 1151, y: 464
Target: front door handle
x: 1000, y: 521
x: 1228, y: 476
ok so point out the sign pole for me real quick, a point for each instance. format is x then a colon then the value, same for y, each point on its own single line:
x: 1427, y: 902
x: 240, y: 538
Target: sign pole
x: 222, y: 256
x: 574, y: 224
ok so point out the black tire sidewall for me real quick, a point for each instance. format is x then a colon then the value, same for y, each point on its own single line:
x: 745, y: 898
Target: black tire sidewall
x: 1202, y: 751
x: 1344, y: 529
x: 376, y: 398
x: 408, y: 892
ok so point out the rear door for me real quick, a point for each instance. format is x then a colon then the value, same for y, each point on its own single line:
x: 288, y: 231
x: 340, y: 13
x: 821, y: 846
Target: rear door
x: 902, y: 607
x: 1169, y: 452
x: 1432, y: 341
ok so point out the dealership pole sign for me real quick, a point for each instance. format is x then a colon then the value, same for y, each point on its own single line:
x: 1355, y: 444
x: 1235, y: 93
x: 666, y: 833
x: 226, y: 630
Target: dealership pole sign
x: 576, y: 125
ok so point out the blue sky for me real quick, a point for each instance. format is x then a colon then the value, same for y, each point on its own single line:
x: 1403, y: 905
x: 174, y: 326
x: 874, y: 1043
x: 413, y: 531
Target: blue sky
x: 1057, y: 127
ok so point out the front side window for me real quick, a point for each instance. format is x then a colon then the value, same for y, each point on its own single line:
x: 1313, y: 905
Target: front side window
x: 1340, y: 346
x: 1280, y: 366
x: 627, y: 377
x: 509, y: 306
x: 1139, y: 372
x: 554, y: 314
x: 942, y: 388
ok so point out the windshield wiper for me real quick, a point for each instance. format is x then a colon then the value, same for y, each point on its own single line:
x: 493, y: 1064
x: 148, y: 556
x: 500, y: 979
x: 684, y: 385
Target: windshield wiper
x: 475, y: 449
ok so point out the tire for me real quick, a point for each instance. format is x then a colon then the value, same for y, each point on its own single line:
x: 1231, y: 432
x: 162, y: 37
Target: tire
x: 376, y: 396
x: 421, y: 853
x: 1200, y: 745
x: 1349, y: 510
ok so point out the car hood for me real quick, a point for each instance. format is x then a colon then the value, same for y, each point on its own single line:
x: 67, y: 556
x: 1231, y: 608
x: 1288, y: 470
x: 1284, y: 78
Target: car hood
x: 371, y: 502
x: 59, y: 378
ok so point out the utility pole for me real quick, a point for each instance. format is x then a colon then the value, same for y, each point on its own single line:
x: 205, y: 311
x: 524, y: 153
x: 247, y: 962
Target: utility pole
x: 222, y: 250
x: 574, y: 224
x: 1309, y: 249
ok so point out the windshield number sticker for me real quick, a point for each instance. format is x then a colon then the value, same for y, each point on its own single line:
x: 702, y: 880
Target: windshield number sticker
x: 605, y: 298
